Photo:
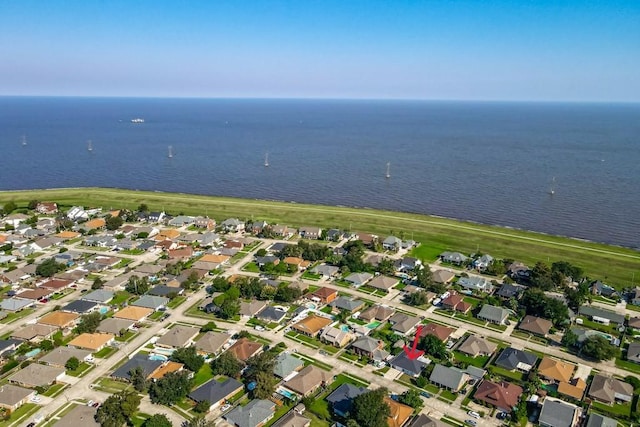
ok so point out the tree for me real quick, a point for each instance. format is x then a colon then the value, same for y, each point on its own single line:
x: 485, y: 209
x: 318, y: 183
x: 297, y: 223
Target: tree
x: 33, y: 204
x: 226, y: 364
x: 433, y: 347
x: 49, y: 267
x: 202, y: 407
x: 229, y: 308
x: 263, y: 362
x: 424, y: 278
x: 370, y: 409
x: 286, y: 293
x: 113, y: 223
x: 538, y: 304
x: 541, y: 277
x: 143, y: 207
x: 9, y: 207
x: 386, y: 266
x: 198, y: 421
x: 138, y: 379
x: 570, y: 339
x: 567, y: 270
x: 72, y: 364
x: 46, y: 345
x: 171, y: 388
x: 157, y: 420
x: 416, y: 298
x: 191, y: 282
x: 117, y: 409
x: 599, y: 348
x: 411, y: 397
x: 137, y: 285
x: 89, y: 323
x: 265, y: 385
x: 189, y: 357
x: 97, y: 283
x: 209, y: 326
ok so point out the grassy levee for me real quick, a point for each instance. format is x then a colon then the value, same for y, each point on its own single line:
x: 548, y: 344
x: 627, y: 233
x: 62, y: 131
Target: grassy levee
x: 610, y: 263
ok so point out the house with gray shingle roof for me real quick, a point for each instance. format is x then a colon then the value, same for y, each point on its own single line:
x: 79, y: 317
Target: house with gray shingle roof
x: 358, y: 279
x: 512, y: 359
x: 371, y: 348
x: 254, y: 414
x: 450, y: 378
x: 286, y: 364
x: 101, y: 296
x: 216, y: 392
x: 557, y: 413
x: 494, y: 314
x: 113, y: 325
x: 178, y: 336
x: 325, y: 270
x: 601, y: 316
x: 346, y: 304
x: 453, y: 257
x: 212, y: 342
x: 597, y: 420
x: 152, y: 302
x: 609, y: 390
x: 14, y: 304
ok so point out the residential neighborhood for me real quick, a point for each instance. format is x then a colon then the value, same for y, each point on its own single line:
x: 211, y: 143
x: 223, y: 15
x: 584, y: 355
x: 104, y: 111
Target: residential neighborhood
x: 247, y: 323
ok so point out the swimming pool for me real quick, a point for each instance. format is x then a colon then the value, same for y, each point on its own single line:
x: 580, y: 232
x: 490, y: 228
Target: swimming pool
x: 33, y: 352
x: 373, y: 324
x: 104, y: 310
x: 344, y: 328
x: 158, y: 357
x: 286, y: 393
x: 164, y: 351
x: 311, y: 305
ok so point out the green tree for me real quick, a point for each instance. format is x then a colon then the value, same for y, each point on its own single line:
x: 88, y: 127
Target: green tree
x: 189, y: 357
x: 49, y: 267
x: 89, y: 323
x: 33, y: 204
x: 433, y: 347
x: 209, y: 326
x: 46, y: 345
x: 138, y: 379
x: 118, y: 409
x: 202, y: 407
x: 370, y: 409
x: 599, y: 348
x: 265, y: 385
x: 199, y: 421
x: 97, y: 283
x: 137, y: 285
x: 157, y: 420
x: 286, y: 293
x: 9, y: 207
x: 387, y: 267
x: 229, y: 308
x: 570, y: 339
x: 114, y: 222
x: 416, y: 298
x: 411, y: 398
x: 143, y: 208
x: 171, y: 388
x: 72, y: 364
x: 538, y: 304
x: 424, y: 278
x: 541, y: 277
x: 261, y: 252
x: 226, y: 364
x: 263, y: 362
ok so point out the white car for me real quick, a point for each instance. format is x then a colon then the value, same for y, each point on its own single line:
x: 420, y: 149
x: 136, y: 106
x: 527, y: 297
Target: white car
x: 473, y: 414
x: 225, y: 407
x: 35, y: 399
x: 90, y: 403
x: 259, y: 328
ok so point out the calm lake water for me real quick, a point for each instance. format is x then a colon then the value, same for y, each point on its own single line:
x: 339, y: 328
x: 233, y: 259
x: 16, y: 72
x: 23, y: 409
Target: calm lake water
x: 492, y: 163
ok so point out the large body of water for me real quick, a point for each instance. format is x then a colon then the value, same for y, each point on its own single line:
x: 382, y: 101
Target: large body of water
x: 487, y: 162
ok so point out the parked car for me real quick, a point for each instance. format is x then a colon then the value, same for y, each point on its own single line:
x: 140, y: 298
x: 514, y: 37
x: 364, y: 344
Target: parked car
x: 473, y: 414
x: 471, y: 422
x: 425, y: 394
x: 90, y: 403
x: 225, y: 407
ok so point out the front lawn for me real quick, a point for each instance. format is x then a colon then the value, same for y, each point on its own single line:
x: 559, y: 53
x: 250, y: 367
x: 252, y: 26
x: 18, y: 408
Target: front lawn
x: 627, y: 365
x: 105, y: 352
x: 83, y: 368
x: 479, y: 361
x: 120, y: 297
x: 128, y: 335
x: 21, y: 413
x: 251, y: 267
x: 176, y: 301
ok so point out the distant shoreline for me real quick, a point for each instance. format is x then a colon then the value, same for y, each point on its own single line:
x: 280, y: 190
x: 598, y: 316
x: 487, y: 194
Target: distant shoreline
x: 607, y: 262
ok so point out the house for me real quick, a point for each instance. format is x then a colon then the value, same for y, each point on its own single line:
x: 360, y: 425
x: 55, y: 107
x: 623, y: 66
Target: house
x: 509, y: 290
x: 634, y: 323
x: 212, y: 342
x: 178, y: 336
x: 411, y: 367
x: 77, y: 213
x: 37, y: 375
x: 296, y: 262
x: 441, y: 332
x: 399, y: 412
x: 536, y: 325
x: 380, y: 313
x: 555, y: 370
x: 601, y: 316
x: 403, y: 324
x: 599, y: 288
x: 286, y: 364
x: 324, y: 295
x: 254, y: 414
x: 156, y: 217
x: 243, y: 349
x: 408, y: 264
x: 251, y: 308
x: 47, y: 208
x: 583, y: 334
x: 34, y: 332
x: 358, y: 279
x: 325, y: 270
x: 455, y: 302
x: 59, y: 319
x: 310, y: 232
x: 81, y: 415
x: 493, y: 314
x: 232, y: 225
x: 180, y: 254
x: 370, y: 348
x: 15, y: 219
x: 308, y: 380
x: 292, y: 419
x: 597, y: 420
x: 93, y: 342
x: 423, y: 420
x: 367, y: 239
x: 311, y: 325
x: 501, y: 395
x: 216, y: 392
x: 113, y: 325
x: 341, y: 399
x: 101, y: 296
x: 453, y: 258
x: 165, y: 291
x: 482, y: 262
x: 80, y: 307
x: 181, y: 220
x: 633, y: 352
x: 151, y: 301
x: 12, y: 397
x: 513, y: 359
x: 133, y: 313
x: 14, y: 304
x: 392, y: 243
x: 60, y: 355
x: 476, y: 346
x: 141, y: 361
x: 8, y: 346
x: 449, y: 378
x: 347, y: 304
x: 556, y: 413
x: 574, y: 389
x: 205, y: 222
x: 335, y: 336
x: 94, y: 224
x: 609, y: 390
x: 476, y: 284
x: 34, y: 294
x: 443, y: 276
x: 384, y: 283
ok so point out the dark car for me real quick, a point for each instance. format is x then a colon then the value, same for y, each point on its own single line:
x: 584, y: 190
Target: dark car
x: 425, y: 394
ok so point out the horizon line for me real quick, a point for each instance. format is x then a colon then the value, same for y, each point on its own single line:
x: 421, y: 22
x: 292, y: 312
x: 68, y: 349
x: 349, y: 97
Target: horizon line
x: 296, y: 98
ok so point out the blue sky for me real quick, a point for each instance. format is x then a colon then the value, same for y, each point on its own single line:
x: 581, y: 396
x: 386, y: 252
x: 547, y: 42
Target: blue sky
x: 556, y: 50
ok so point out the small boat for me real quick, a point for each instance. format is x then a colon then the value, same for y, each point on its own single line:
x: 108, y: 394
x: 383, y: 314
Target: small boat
x: 89, y: 146
x: 552, y: 189
x: 24, y: 140
x: 137, y: 120
x: 266, y: 160
x: 170, y: 155
x: 388, y: 174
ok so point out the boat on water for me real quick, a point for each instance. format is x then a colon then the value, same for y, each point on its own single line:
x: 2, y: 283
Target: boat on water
x: 170, y: 155
x: 23, y: 140
x: 388, y: 174
x: 552, y: 189
x: 266, y: 160
x: 137, y: 120
x: 89, y: 146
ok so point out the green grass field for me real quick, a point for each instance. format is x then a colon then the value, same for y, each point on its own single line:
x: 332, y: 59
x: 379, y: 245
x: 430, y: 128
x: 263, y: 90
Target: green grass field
x: 609, y: 263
